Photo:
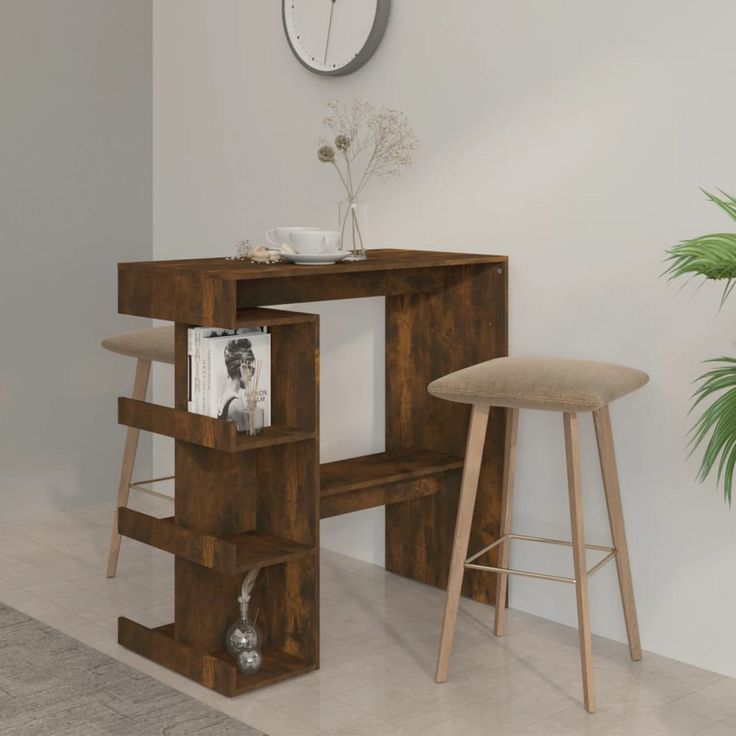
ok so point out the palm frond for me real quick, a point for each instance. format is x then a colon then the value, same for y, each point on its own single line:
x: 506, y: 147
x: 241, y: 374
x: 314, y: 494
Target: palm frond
x: 728, y: 205
x: 711, y: 256
x: 716, y: 428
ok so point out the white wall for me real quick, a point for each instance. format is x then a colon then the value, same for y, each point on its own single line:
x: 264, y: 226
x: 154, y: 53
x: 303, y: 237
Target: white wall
x: 571, y: 136
x: 75, y: 198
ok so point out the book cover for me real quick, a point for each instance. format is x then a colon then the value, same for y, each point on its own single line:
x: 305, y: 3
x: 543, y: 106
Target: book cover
x: 190, y: 369
x: 215, y: 354
x: 233, y: 363
x: 199, y: 378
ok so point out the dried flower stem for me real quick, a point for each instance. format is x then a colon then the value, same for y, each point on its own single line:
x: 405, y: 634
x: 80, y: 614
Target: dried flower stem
x: 358, y: 128
x: 251, y: 396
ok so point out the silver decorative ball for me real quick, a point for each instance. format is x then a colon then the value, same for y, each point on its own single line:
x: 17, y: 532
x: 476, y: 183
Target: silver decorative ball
x: 242, y: 635
x: 249, y: 660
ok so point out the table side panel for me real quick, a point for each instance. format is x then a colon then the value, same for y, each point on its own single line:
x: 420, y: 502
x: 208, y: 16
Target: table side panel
x: 427, y: 336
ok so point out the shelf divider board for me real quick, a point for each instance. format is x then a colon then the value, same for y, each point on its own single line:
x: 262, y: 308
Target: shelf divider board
x: 159, y: 533
x: 384, y: 478
x: 202, y: 430
x: 232, y: 555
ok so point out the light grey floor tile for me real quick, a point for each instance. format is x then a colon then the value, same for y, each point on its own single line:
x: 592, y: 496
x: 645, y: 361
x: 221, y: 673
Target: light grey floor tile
x: 378, y: 650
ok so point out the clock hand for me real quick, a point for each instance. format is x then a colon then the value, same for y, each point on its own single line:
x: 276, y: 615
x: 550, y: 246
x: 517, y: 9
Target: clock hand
x: 329, y: 30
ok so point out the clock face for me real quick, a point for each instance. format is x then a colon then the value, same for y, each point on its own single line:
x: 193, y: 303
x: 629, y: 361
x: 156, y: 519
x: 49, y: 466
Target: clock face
x: 334, y: 37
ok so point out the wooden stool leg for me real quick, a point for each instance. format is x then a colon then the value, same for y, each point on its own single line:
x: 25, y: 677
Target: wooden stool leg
x: 466, y: 504
x: 604, y: 435
x: 509, y: 469
x: 572, y: 452
x: 140, y: 386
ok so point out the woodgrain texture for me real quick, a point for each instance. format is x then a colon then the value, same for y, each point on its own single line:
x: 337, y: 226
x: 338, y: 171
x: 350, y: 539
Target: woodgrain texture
x: 507, y: 504
x: 209, y: 291
x: 202, y: 430
x: 240, y: 503
x: 468, y: 490
x: 272, y: 489
x: 607, y: 456
x: 572, y: 454
x: 383, y: 478
x: 427, y: 336
x: 140, y: 386
x: 244, y: 502
x: 231, y: 555
x: 159, y: 533
x: 214, y: 670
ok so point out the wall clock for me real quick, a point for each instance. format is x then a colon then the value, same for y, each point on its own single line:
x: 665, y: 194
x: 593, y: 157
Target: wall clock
x: 334, y: 37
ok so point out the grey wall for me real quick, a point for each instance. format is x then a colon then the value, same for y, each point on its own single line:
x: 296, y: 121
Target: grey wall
x: 75, y: 198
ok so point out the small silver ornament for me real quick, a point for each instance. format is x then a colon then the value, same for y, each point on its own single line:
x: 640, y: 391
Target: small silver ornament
x: 249, y: 660
x: 243, y: 638
x: 242, y: 635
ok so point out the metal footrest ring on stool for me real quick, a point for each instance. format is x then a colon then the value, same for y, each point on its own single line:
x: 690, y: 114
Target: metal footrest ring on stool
x: 141, y: 486
x: 526, y: 573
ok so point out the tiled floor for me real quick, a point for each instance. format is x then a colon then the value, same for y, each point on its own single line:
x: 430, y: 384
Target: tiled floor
x: 379, y: 639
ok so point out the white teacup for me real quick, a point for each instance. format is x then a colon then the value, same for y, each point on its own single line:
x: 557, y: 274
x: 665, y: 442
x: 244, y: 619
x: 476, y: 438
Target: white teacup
x: 305, y: 239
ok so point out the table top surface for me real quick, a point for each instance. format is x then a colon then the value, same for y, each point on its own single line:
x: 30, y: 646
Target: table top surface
x: 385, y: 259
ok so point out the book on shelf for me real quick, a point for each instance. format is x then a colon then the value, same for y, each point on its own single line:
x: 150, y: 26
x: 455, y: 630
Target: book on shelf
x: 222, y: 364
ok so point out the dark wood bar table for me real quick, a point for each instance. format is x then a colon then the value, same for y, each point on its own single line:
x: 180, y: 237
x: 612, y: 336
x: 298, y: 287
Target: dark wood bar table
x: 244, y: 502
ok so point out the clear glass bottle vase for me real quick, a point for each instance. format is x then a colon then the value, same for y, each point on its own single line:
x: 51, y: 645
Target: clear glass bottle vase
x: 353, y: 224
x: 243, y: 641
x: 252, y: 420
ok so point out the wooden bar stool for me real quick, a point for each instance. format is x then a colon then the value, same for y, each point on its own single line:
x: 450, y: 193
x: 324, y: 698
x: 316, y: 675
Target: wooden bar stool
x: 147, y: 345
x: 570, y: 387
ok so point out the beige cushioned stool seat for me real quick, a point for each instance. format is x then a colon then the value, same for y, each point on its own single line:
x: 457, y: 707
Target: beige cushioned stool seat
x: 153, y: 343
x: 552, y: 384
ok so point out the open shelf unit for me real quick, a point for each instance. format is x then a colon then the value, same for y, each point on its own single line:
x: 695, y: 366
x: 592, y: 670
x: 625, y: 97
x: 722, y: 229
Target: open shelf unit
x: 214, y: 670
x: 241, y: 502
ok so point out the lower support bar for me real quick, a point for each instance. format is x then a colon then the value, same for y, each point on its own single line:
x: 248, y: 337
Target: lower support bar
x: 529, y: 574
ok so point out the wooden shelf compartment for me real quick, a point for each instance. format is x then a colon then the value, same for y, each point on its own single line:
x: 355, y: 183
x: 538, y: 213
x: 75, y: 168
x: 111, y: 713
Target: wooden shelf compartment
x: 294, y: 337
x: 215, y: 670
x: 230, y: 555
x: 216, y: 434
x: 383, y: 478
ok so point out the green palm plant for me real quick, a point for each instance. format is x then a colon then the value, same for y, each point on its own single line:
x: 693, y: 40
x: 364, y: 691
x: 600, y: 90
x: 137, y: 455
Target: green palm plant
x: 714, y: 258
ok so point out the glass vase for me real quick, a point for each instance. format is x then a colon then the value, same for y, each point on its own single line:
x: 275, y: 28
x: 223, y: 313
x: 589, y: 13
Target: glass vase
x: 353, y: 224
x: 243, y: 642
x: 252, y: 420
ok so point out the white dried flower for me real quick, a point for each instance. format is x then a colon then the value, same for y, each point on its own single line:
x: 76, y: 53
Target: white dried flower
x: 326, y: 154
x: 371, y: 141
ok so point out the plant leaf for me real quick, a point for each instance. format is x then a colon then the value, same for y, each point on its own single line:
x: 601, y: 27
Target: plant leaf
x: 716, y: 427
x: 728, y: 204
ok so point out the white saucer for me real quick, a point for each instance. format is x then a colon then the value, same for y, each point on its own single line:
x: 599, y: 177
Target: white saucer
x: 315, y: 259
